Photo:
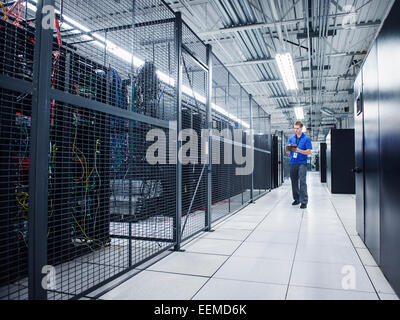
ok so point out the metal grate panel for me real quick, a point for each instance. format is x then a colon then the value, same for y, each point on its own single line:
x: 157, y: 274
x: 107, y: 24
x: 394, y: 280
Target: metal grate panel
x: 15, y: 136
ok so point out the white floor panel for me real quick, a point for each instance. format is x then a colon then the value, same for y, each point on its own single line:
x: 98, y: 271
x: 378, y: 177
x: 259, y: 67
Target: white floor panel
x: 149, y: 285
x: 190, y: 263
x: 213, y: 246
x: 307, y: 293
x: 222, y: 289
x: 331, y: 276
x: 256, y: 270
x: 266, y: 250
x: 331, y: 254
x: 227, y: 234
x: 273, y: 237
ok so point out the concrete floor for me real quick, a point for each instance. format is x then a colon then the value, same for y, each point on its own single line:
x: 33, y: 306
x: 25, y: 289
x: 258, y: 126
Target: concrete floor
x: 270, y: 250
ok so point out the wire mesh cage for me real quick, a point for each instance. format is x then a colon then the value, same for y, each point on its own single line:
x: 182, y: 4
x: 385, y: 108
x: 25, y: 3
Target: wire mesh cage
x: 77, y: 133
x: 113, y: 79
x: 261, y: 122
x: 120, y: 208
x: 15, y: 135
x: 231, y: 116
x: 194, y: 123
x: 16, y: 64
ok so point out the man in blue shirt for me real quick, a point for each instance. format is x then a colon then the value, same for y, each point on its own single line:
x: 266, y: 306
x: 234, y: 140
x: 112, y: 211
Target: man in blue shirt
x: 298, y: 165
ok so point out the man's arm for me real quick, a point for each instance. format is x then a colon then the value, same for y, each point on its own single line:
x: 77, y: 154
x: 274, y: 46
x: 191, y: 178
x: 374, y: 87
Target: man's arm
x: 308, y: 147
x: 305, y: 152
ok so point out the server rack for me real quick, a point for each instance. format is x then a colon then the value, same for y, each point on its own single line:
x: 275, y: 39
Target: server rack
x: 340, y: 161
x: 376, y: 133
x: 277, y: 160
x: 322, y: 161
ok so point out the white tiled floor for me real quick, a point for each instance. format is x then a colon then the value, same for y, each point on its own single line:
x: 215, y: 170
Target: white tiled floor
x: 270, y: 250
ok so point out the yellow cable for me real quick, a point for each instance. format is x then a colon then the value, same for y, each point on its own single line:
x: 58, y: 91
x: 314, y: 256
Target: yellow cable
x: 73, y: 151
x: 84, y: 173
x: 3, y: 9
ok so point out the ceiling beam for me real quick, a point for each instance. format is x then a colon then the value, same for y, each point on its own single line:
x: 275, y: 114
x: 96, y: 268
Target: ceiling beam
x: 296, y: 60
x: 306, y: 106
x: 334, y: 92
x: 327, y: 78
x: 259, y: 25
x: 325, y: 67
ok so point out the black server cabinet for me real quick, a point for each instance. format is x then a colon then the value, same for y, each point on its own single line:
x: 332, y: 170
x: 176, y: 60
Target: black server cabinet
x: 262, y: 162
x: 16, y: 60
x: 275, y: 162
x: 267, y: 159
x: 376, y: 101
x: 340, y: 161
x: 389, y: 139
x: 322, y: 161
x: 281, y: 159
x: 216, y: 168
x: 278, y: 158
x: 15, y: 127
x: 191, y: 173
x: 71, y: 230
x: 370, y: 97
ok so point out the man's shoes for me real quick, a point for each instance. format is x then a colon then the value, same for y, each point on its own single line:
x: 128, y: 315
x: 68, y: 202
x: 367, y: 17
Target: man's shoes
x: 295, y: 203
x: 303, y: 206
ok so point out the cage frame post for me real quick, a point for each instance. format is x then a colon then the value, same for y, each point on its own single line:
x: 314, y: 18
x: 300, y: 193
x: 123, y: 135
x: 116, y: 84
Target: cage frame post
x: 130, y: 154
x: 270, y: 149
x: 38, y: 168
x: 208, y: 214
x: 178, y: 88
x: 252, y: 149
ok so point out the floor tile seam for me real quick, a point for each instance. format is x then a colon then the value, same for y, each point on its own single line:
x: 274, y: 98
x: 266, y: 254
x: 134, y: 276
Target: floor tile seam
x: 294, y: 256
x: 178, y: 273
x: 334, y: 289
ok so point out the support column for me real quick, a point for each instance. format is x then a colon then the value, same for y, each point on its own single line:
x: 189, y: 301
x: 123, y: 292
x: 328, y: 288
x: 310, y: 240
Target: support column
x: 252, y: 149
x: 178, y: 93
x: 208, y: 217
x: 38, y: 167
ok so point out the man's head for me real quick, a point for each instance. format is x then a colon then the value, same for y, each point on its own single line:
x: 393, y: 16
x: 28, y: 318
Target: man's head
x: 298, y: 128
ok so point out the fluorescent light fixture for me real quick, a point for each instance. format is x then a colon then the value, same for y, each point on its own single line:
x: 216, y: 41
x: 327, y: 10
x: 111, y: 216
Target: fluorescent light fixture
x: 286, y: 68
x: 327, y: 111
x: 299, y: 113
x: 137, y: 62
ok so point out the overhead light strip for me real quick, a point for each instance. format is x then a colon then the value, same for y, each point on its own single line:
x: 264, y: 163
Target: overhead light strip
x: 299, y: 113
x: 286, y: 68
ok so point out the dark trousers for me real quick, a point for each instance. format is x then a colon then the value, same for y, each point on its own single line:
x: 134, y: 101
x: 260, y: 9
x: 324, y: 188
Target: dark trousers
x: 298, y: 175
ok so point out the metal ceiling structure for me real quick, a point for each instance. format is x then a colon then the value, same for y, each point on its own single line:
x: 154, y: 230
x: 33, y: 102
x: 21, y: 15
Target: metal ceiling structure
x: 332, y: 36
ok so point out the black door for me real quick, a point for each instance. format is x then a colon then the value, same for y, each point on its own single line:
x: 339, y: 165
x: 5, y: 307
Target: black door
x: 275, y: 156
x: 322, y: 161
x: 359, y: 154
x: 371, y: 153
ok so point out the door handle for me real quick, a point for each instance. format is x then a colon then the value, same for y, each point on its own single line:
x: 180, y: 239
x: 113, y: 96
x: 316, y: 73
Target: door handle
x: 356, y: 170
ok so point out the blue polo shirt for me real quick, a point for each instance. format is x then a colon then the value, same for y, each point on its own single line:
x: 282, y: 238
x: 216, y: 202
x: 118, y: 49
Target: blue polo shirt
x: 303, y: 143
